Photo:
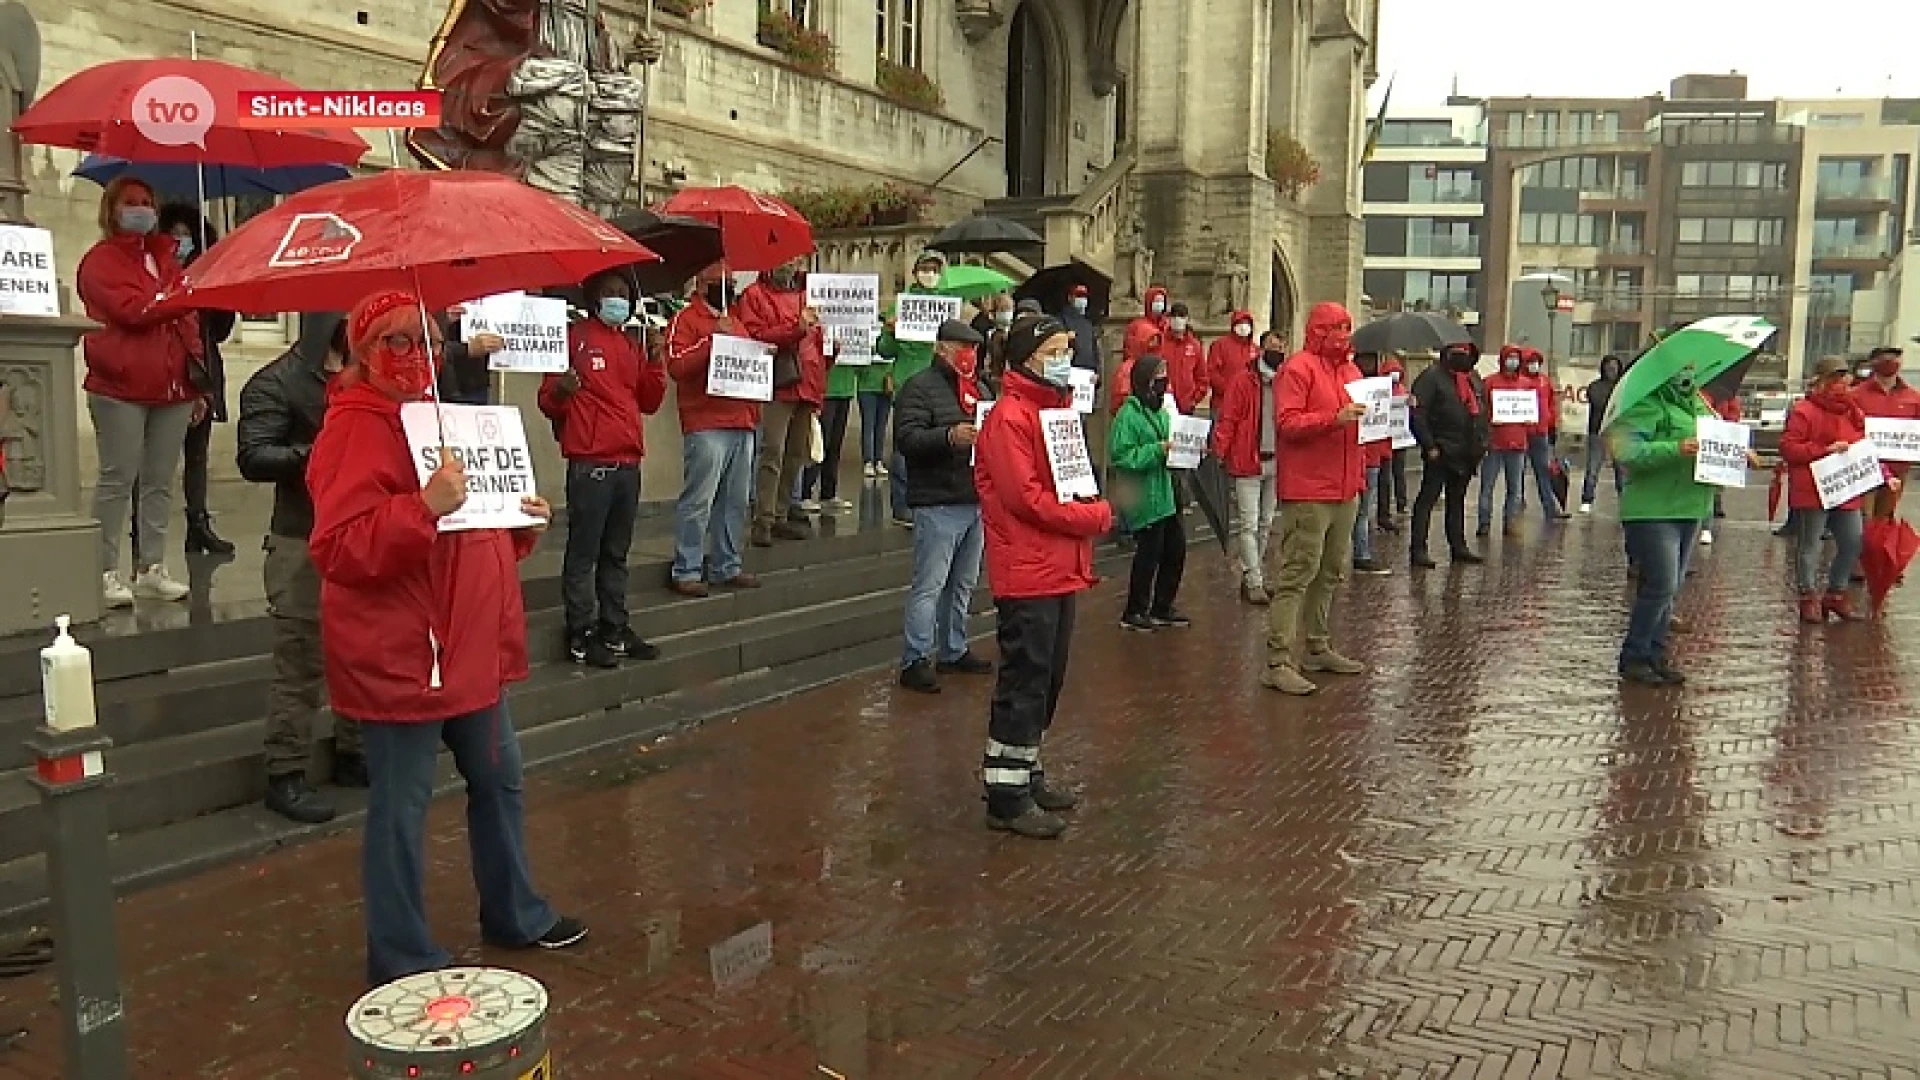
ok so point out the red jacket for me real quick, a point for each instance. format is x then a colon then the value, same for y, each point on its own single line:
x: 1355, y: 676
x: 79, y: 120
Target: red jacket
x: 1510, y: 436
x: 1320, y: 458
x: 772, y: 316
x: 689, y: 349
x: 1900, y: 403
x: 1037, y: 546
x: 1228, y: 355
x: 1814, y: 424
x: 604, y: 421
x: 416, y: 624
x: 1122, y: 388
x: 1144, y: 334
x: 1186, y: 369
x: 1236, y: 422
x: 136, y: 356
x: 1729, y: 408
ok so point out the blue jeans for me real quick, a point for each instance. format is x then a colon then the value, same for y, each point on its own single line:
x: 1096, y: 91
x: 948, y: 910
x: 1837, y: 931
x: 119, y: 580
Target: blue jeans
x: 1540, y: 456
x: 874, y: 406
x: 897, y: 488
x: 1363, y: 521
x: 718, y: 483
x: 1512, y: 464
x: 948, y: 542
x: 1812, y: 525
x: 1660, y: 549
x: 400, y: 764
x: 1598, y: 454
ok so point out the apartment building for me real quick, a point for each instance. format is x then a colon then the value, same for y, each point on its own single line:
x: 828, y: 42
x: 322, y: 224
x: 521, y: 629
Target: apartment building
x: 1423, y: 197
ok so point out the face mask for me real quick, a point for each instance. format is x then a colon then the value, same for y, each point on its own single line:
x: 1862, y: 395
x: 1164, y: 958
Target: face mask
x: 1003, y: 319
x: 1337, y: 343
x: 1396, y: 376
x: 927, y: 278
x: 139, y: 220
x: 965, y: 361
x: 1156, y: 395
x: 1080, y: 304
x: 406, y: 375
x: 1058, y: 370
x: 615, y: 310
x: 1510, y: 365
x: 1159, y: 307
x: 182, y: 247
x: 1535, y: 369
x: 1179, y: 324
x: 1862, y: 373
x: 1244, y: 330
x: 1461, y: 362
x: 1270, y: 362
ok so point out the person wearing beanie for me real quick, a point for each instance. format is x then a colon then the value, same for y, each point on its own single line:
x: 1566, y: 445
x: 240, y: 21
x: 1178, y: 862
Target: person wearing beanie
x: 1039, y: 559
x: 909, y: 358
x: 422, y: 629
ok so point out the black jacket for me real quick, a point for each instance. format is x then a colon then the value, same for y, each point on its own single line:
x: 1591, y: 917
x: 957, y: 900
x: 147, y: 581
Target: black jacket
x: 281, y: 409
x: 1599, y: 391
x: 1086, y: 339
x: 1441, y: 420
x: 464, y: 379
x: 924, y: 411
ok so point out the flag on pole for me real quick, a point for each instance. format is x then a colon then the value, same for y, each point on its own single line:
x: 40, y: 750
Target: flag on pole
x: 1379, y: 123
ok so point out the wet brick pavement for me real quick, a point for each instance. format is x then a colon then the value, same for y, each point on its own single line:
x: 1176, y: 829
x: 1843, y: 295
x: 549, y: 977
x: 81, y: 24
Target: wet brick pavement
x: 1482, y: 860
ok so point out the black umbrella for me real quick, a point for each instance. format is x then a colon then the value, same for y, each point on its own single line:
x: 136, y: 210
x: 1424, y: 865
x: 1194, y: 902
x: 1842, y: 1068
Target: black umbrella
x: 985, y: 235
x: 1210, y: 487
x: 685, y: 245
x: 1052, y: 287
x: 1727, y: 383
x: 1410, y: 332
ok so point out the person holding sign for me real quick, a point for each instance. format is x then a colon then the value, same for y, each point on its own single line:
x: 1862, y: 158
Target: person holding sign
x: 908, y: 358
x: 1827, y: 421
x: 1375, y: 457
x: 774, y: 312
x: 599, y: 409
x: 1039, y: 558
x: 1516, y: 410
x: 1243, y: 441
x: 716, y: 447
x: 1886, y: 396
x: 1142, y: 486
x: 422, y: 630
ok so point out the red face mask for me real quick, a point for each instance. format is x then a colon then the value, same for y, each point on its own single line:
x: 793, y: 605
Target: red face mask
x: 399, y: 365
x: 966, y: 362
x: 1338, y: 342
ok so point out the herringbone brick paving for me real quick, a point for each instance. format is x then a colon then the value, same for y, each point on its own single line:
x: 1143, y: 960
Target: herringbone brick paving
x: 1482, y: 860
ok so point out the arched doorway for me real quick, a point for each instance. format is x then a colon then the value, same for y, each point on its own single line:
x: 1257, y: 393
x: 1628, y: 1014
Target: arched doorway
x: 1281, y: 299
x: 1029, y: 83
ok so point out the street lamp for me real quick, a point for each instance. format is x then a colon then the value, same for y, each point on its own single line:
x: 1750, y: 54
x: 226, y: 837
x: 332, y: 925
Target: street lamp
x: 1550, y: 297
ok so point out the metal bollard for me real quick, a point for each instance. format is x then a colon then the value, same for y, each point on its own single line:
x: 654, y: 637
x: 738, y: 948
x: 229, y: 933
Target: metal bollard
x: 72, y: 780
x: 467, y: 1023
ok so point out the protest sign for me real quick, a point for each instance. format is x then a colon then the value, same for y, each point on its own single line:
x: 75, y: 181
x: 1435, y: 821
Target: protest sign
x: 1376, y: 394
x: 28, y: 283
x: 845, y: 299
x: 491, y: 443
x: 533, y: 327
x: 1400, y: 423
x: 1067, y: 454
x: 1848, y: 474
x: 1516, y: 407
x: 917, y: 316
x: 1189, y: 438
x: 1083, y: 382
x: 852, y: 346
x: 1722, y: 457
x: 980, y: 411
x: 740, y: 368
x: 1894, y: 440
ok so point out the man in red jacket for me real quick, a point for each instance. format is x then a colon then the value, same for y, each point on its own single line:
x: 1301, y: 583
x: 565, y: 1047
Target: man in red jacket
x: 1039, y: 557
x: 1321, y: 467
x: 422, y: 629
x: 1507, y: 449
x: 1887, y: 396
x: 1186, y: 362
x: 1230, y: 355
x: 774, y: 311
x: 716, y: 446
x: 1243, y: 440
x: 599, y: 408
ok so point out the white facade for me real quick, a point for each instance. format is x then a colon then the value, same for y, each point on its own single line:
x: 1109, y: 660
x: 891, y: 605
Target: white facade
x: 1424, y: 199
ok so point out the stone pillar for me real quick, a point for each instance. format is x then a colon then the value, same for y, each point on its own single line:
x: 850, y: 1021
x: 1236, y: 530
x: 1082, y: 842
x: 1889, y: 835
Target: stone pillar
x: 1335, y: 121
x: 44, y: 525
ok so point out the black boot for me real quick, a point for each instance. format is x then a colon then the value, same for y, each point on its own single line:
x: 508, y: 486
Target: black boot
x: 291, y: 798
x: 202, y: 540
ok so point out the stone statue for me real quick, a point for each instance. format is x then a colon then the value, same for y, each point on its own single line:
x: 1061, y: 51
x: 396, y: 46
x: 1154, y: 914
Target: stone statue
x: 535, y: 89
x: 20, y: 426
x: 19, y: 68
x: 1229, y: 282
x: 1139, y: 259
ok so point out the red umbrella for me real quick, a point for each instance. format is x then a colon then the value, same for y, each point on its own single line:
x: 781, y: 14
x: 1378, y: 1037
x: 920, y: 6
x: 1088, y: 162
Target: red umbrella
x: 168, y: 109
x: 445, y: 236
x: 1889, y: 545
x: 1774, y: 489
x: 758, y: 232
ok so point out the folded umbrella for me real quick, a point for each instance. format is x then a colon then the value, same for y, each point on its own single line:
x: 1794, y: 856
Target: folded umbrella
x: 983, y: 234
x: 1775, y: 488
x: 757, y: 232
x: 1888, y: 547
x: 222, y: 181
x: 1211, y: 488
x: 974, y: 282
x: 1409, y: 332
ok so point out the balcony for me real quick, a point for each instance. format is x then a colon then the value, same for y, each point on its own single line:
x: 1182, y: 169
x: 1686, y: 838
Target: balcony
x: 1616, y: 193
x: 1616, y: 248
x: 1443, y: 247
x: 1450, y: 196
x: 1832, y: 191
x: 1534, y: 139
x: 1852, y: 255
x: 1462, y: 300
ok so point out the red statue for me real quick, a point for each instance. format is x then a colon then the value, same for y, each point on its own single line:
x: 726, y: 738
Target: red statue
x: 480, y: 45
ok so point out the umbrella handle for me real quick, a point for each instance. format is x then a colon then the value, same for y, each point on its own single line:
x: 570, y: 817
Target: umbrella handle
x: 433, y: 361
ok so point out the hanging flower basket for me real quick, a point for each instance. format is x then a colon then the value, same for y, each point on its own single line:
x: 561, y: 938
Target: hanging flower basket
x: 909, y: 87
x: 872, y: 206
x: 1289, y: 165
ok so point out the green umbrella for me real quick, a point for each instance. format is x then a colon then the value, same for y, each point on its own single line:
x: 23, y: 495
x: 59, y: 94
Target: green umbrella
x: 973, y: 282
x: 1706, y: 348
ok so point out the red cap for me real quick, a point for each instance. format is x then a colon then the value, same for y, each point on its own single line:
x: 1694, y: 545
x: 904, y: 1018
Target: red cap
x: 1079, y: 290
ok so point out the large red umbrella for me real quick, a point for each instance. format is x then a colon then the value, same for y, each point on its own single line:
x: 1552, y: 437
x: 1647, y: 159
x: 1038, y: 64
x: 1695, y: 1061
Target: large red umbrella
x: 169, y: 109
x: 1774, y: 489
x: 445, y: 236
x: 757, y: 232
x: 1888, y: 546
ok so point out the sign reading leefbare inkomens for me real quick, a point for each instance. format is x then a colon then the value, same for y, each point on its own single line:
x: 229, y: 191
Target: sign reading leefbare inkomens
x: 845, y: 299
x: 1067, y: 454
x: 1188, y: 434
x: 490, y: 442
x: 28, y: 283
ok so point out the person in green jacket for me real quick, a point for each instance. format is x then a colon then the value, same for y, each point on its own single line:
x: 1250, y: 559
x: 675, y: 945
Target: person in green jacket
x: 906, y: 359
x: 1138, y: 447
x: 822, y: 481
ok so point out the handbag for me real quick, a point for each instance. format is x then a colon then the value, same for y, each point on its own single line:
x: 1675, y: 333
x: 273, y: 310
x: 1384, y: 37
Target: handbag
x: 786, y: 369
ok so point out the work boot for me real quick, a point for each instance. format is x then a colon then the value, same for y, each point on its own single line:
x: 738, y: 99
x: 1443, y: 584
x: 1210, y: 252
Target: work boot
x: 967, y: 663
x: 1812, y: 610
x: 1033, y: 823
x: 1839, y: 605
x: 1052, y: 799
x: 1287, y: 679
x: 1333, y: 663
x: 919, y: 677
x: 291, y: 798
x: 762, y: 535
x: 202, y: 540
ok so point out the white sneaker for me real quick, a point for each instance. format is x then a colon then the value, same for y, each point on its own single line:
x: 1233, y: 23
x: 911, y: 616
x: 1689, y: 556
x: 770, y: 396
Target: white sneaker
x: 872, y: 471
x: 810, y: 506
x: 839, y: 506
x: 1706, y: 536
x: 1586, y: 508
x: 879, y: 470
x: 154, y: 583
x: 114, y: 591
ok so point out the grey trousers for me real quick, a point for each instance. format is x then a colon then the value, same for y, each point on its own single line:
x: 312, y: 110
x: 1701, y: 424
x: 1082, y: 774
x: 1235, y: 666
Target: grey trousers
x: 299, y: 689
x: 139, y: 444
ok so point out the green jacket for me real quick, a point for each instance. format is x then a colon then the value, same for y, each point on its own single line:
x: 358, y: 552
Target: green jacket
x: 909, y: 358
x: 1646, y: 442
x: 843, y: 382
x: 1137, y: 447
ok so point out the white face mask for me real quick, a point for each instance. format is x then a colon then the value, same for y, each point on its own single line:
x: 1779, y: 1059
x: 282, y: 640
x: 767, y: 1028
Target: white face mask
x: 928, y: 279
x: 1159, y: 307
x: 1244, y: 330
x: 1080, y: 304
x: 1179, y: 324
x: 1534, y: 369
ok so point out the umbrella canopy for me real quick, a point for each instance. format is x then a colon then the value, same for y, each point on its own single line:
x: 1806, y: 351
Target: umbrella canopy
x: 1887, y: 549
x: 1706, y: 348
x: 1054, y: 285
x: 1212, y: 488
x: 1727, y: 384
x: 222, y: 181
x: 685, y: 245
x: 973, y: 282
x: 112, y: 108
x: 757, y: 232
x: 1409, y: 332
x: 446, y: 236
x: 983, y: 234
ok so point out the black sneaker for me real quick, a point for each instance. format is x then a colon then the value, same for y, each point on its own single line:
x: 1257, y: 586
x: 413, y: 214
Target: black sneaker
x: 1172, y: 620
x: 1033, y: 823
x: 1670, y: 673
x: 291, y: 798
x: 968, y: 663
x: 1136, y: 622
x: 919, y: 678
x: 587, y: 649
x: 1371, y: 566
x: 1053, y: 800
x: 1420, y: 560
x: 628, y: 645
x: 1467, y: 558
x: 1648, y: 674
x: 566, y: 933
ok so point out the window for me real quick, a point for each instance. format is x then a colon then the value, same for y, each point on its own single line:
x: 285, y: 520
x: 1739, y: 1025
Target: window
x: 1761, y: 175
x: 1693, y: 230
x: 1587, y: 340
x: 897, y: 31
x: 1416, y: 133
x: 1625, y: 338
x: 804, y: 12
x: 1764, y: 232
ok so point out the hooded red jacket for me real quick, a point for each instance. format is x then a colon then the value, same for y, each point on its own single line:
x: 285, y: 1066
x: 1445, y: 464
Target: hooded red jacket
x: 1549, y: 423
x: 1145, y: 333
x: 416, y: 624
x: 1236, y: 421
x: 137, y: 355
x: 1814, y: 424
x: 1037, y: 546
x: 1320, y: 458
x: 1511, y: 437
x: 1186, y: 369
x: 689, y: 351
x: 1229, y: 354
x: 772, y: 316
x: 604, y: 421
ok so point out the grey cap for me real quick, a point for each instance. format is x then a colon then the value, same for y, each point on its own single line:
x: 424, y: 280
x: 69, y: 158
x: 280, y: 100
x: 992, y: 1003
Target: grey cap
x: 958, y: 333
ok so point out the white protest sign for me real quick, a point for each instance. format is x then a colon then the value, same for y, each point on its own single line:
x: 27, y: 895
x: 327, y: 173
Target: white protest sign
x: 1083, y: 382
x: 917, y: 316
x: 533, y: 327
x: 1376, y: 394
x: 980, y: 411
x: 28, y: 283
x: 1848, y: 474
x: 852, y: 346
x: 491, y: 443
x: 1067, y: 454
x: 844, y: 299
x: 1894, y: 440
x: 1516, y: 407
x: 1722, y: 457
x: 1400, y: 423
x: 740, y: 368
x: 1189, y: 438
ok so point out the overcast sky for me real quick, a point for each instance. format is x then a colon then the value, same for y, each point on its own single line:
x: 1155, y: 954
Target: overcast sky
x: 1631, y: 48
